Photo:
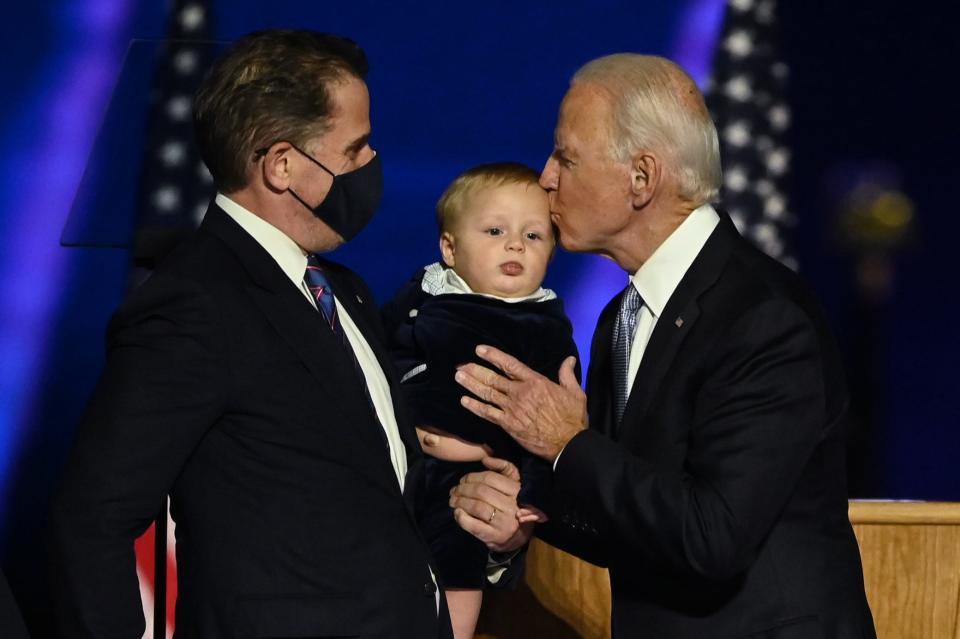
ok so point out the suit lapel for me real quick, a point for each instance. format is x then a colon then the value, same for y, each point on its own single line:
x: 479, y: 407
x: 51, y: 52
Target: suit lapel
x: 600, y: 375
x: 679, y: 317
x: 298, y: 324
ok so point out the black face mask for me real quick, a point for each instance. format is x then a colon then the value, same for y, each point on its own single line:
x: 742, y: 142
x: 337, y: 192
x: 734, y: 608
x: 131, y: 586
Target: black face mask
x: 353, y: 197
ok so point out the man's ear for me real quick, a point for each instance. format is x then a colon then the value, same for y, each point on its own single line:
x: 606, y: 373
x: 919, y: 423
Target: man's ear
x: 275, y: 166
x: 448, y: 249
x: 645, y: 173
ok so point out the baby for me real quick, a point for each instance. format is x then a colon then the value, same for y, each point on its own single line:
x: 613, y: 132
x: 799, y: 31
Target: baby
x: 496, y: 239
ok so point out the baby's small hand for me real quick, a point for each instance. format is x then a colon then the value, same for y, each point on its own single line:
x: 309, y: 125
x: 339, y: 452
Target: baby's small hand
x: 527, y: 514
x: 441, y: 445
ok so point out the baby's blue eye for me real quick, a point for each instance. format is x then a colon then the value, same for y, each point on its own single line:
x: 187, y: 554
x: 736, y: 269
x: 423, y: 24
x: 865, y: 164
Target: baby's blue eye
x: 494, y: 231
x: 533, y: 236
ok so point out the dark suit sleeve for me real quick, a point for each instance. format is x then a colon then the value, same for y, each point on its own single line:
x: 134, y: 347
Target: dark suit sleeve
x: 758, y: 416
x: 162, y: 388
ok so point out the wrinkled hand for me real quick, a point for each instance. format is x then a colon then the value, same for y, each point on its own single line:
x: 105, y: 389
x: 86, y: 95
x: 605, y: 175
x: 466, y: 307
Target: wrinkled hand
x: 485, y: 505
x: 540, y: 415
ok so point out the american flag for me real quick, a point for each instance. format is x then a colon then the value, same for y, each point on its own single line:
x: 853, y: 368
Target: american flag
x: 175, y: 185
x: 746, y: 96
x: 175, y: 189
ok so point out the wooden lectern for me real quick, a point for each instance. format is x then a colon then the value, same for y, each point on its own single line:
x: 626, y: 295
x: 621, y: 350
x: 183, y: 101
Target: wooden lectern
x: 911, y: 566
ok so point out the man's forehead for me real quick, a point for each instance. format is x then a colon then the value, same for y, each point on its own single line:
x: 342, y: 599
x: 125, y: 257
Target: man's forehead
x: 583, y: 114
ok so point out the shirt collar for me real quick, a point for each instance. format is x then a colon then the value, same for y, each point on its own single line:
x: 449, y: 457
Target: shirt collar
x: 659, y: 276
x: 286, y: 253
x: 438, y: 280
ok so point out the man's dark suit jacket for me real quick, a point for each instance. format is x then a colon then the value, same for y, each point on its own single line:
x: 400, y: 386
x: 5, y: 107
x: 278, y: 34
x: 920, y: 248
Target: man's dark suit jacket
x: 720, y: 503
x: 224, y: 388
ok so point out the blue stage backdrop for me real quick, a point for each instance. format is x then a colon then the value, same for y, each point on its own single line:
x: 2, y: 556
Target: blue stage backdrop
x: 456, y: 84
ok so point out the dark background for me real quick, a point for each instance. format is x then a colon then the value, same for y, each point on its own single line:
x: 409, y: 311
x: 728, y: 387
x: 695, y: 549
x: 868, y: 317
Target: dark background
x: 455, y: 85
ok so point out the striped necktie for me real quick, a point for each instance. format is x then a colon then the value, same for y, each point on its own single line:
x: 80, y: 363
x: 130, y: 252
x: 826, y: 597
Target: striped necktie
x: 322, y: 292
x: 623, y: 332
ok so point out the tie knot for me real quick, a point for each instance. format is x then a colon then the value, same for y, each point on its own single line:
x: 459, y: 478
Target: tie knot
x: 631, y: 301
x: 314, y: 274
x: 320, y: 289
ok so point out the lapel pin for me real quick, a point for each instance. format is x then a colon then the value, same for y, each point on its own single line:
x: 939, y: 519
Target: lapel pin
x: 359, y: 301
x: 679, y: 322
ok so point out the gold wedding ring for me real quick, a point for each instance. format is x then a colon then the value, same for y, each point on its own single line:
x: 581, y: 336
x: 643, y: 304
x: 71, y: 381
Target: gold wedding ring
x: 492, y: 515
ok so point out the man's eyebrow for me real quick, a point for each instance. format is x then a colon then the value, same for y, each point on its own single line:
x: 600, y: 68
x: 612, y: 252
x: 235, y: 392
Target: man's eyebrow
x: 359, y: 143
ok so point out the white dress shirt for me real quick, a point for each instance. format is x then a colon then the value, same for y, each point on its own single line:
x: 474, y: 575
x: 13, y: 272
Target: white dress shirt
x: 659, y: 276
x: 293, y: 262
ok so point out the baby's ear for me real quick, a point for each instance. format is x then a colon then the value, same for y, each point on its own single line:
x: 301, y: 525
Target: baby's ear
x: 448, y: 249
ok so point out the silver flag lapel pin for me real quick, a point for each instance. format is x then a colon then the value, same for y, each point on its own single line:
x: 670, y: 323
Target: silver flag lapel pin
x: 679, y: 322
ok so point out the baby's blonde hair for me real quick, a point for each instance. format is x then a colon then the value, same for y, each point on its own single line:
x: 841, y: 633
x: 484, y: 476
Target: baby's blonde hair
x: 454, y: 200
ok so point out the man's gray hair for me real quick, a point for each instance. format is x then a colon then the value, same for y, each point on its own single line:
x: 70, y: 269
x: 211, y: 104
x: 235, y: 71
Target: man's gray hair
x: 656, y: 106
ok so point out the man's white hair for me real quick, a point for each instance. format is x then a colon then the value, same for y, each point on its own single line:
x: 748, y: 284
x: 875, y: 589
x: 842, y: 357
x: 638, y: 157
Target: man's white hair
x: 656, y: 106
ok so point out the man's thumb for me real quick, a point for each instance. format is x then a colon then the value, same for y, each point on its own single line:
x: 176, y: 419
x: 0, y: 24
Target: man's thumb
x: 567, y: 376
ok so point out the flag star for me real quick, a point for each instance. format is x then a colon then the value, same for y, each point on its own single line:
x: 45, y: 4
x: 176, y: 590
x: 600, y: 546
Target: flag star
x: 741, y: 5
x: 738, y: 88
x: 186, y: 61
x: 737, y: 134
x: 735, y: 179
x: 774, y: 207
x: 192, y: 17
x: 173, y: 153
x: 778, y: 161
x: 763, y: 188
x: 167, y: 198
x: 178, y: 108
x: 779, y: 116
x: 765, y: 11
x: 772, y: 247
x: 764, y: 232
x: 739, y: 43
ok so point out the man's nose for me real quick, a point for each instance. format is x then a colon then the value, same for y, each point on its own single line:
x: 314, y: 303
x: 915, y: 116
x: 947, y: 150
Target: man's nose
x: 548, y: 177
x: 365, y: 155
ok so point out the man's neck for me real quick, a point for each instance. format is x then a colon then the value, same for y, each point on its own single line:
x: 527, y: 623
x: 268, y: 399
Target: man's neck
x: 286, y: 216
x: 649, y: 229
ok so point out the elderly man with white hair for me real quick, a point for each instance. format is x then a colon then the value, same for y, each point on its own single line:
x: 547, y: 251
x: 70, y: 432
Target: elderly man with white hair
x: 705, y: 463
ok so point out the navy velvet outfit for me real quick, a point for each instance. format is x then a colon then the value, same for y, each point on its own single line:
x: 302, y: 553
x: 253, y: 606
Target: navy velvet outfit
x: 442, y: 331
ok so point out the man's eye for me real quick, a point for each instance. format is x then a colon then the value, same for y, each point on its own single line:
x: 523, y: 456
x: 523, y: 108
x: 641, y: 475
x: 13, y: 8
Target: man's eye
x: 562, y: 160
x: 494, y: 231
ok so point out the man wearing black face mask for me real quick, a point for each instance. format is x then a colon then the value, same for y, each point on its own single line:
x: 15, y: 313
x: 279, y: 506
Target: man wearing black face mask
x: 247, y: 379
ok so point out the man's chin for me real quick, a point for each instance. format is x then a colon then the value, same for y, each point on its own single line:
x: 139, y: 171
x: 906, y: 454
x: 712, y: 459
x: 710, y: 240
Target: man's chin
x: 326, y: 244
x: 567, y: 243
